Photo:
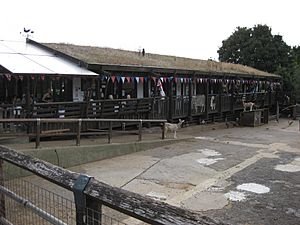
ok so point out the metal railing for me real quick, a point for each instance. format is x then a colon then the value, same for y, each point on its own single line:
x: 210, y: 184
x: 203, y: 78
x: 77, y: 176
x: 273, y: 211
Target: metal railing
x: 90, y: 197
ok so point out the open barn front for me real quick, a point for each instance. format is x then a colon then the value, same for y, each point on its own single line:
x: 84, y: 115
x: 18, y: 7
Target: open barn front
x: 43, y: 81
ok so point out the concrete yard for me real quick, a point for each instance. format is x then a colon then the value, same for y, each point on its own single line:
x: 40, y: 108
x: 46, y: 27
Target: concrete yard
x: 238, y: 175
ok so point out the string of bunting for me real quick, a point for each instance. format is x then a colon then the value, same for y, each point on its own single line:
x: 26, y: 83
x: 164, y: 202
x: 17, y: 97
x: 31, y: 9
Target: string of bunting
x: 129, y: 79
x: 142, y: 79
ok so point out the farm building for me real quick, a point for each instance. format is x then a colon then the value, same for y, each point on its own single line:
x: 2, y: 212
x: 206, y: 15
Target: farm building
x: 69, y: 81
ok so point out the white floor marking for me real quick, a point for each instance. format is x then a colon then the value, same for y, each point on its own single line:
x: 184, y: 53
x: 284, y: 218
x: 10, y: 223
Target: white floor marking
x: 294, y: 166
x: 235, y: 196
x: 253, y: 187
x: 209, y: 152
x: 208, y: 161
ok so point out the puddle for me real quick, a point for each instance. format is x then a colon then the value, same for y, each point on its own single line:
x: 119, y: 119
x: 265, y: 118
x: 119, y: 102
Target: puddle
x: 253, y: 187
x: 209, y: 152
x: 235, y: 196
x: 208, y: 161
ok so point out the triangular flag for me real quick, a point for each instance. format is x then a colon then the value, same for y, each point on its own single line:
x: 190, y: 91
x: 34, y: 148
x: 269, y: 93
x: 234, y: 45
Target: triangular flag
x: 113, y: 78
x: 142, y: 79
x: 42, y: 77
x: 123, y: 79
x: 21, y: 77
x: 137, y: 79
x: 128, y: 79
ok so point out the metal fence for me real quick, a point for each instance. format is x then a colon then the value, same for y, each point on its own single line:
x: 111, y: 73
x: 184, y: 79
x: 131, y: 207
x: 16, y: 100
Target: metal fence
x: 53, y: 195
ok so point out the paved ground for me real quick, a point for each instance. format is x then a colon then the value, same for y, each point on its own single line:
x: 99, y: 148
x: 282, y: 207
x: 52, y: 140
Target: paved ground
x: 237, y: 175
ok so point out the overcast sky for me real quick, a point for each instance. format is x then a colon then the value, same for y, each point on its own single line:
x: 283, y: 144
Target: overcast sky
x: 188, y: 28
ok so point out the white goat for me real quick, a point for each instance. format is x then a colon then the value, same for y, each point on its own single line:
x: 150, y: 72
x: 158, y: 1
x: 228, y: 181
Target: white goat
x: 173, y: 127
x: 249, y: 105
x: 212, y: 103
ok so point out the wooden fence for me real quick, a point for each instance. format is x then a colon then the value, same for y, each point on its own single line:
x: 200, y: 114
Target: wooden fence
x: 145, y: 108
x: 94, y: 194
x: 61, y: 128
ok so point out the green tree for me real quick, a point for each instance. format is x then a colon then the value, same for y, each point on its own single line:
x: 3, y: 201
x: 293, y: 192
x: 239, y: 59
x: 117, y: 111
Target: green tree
x: 255, y: 47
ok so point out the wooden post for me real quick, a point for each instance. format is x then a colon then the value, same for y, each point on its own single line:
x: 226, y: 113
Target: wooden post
x: 206, y: 99
x: 109, y: 132
x: 78, y: 132
x: 163, y: 131
x: 277, y: 111
x: 190, y: 100
x: 28, y: 96
x: 171, y: 105
x: 38, y: 133
x: 140, y: 129
x: 2, y: 198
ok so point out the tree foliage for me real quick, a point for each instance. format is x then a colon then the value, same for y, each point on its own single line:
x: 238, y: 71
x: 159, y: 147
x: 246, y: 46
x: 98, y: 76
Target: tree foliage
x: 255, y: 47
x: 259, y: 48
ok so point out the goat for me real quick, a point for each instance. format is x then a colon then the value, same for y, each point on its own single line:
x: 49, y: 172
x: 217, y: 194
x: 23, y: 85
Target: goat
x: 212, y: 103
x: 249, y: 105
x: 173, y: 127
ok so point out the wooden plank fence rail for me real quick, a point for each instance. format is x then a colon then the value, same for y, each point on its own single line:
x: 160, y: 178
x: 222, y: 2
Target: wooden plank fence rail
x: 132, y: 204
x: 39, y: 121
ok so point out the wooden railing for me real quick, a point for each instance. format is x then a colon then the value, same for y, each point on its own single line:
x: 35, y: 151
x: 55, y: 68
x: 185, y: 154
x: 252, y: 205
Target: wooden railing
x: 37, y: 130
x: 145, y: 108
x: 96, y: 193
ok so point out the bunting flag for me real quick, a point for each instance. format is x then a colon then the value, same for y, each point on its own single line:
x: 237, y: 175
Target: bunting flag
x: 32, y: 77
x: 21, y: 77
x: 161, y: 79
x: 123, y: 79
x: 165, y: 79
x: 154, y: 79
x: 142, y: 79
x: 118, y: 79
x: 175, y: 79
x: 113, y: 78
x: 137, y: 79
x: 128, y: 79
x: 42, y: 77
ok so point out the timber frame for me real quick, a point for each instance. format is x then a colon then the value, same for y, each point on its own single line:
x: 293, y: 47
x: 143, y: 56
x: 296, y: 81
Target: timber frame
x: 192, y: 95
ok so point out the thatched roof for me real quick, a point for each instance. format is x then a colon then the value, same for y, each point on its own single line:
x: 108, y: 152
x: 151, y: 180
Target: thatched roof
x: 98, y: 55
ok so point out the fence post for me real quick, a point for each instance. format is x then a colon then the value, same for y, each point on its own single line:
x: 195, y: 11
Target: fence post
x: 109, y: 132
x: 78, y: 132
x: 38, y: 133
x: 163, y: 131
x: 140, y: 129
x: 80, y: 198
x: 2, y: 198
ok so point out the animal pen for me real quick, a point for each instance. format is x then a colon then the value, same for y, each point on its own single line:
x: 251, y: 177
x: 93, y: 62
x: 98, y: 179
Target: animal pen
x: 84, y: 201
x: 59, y: 81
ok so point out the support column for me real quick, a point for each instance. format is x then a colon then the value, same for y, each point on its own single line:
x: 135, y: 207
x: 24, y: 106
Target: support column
x: 171, y: 104
x: 206, y: 99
